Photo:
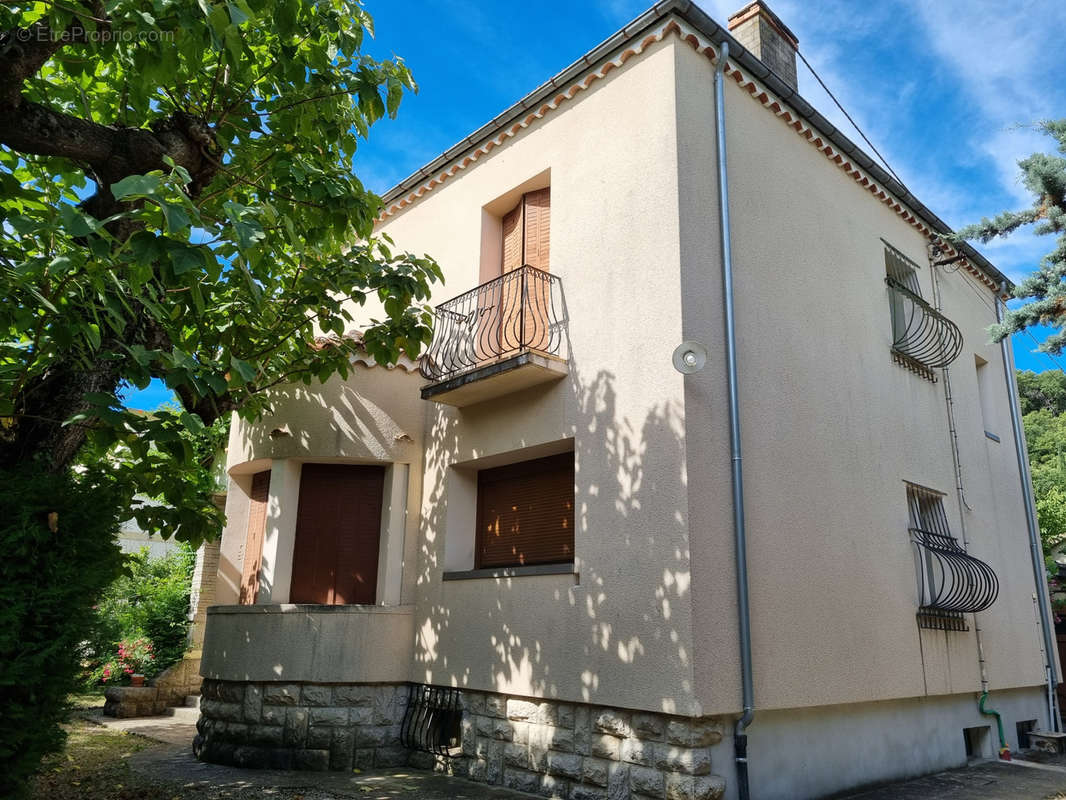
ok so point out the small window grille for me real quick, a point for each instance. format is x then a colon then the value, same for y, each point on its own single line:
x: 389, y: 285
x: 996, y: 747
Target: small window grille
x: 923, y: 339
x: 433, y: 720
x: 951, y: 582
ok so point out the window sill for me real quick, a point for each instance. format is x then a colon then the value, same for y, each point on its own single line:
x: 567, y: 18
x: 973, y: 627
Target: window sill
x: 510, y: 572
x: 992, y: 436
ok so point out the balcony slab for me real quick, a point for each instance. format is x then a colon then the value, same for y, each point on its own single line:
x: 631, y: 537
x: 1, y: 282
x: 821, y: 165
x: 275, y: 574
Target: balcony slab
x: 509, y: 375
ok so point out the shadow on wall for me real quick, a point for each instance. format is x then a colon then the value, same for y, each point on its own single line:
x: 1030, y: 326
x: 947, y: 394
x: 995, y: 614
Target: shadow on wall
x: 621, y: 636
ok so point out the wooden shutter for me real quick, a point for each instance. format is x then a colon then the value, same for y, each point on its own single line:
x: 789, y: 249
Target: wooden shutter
x: 537, y: 228
x: 253, y: 543
x: 525, y: 513
x: 338, y: 530
x: 513, y: 233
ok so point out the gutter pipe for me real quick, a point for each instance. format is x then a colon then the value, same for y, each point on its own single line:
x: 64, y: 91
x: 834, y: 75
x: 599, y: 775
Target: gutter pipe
x: 740, y: 739
x: 1036, y: 551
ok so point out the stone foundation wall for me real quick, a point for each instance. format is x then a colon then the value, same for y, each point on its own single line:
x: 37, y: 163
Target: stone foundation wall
x: 308, y: 726
x: 553, y: 749
x: 582, y: 752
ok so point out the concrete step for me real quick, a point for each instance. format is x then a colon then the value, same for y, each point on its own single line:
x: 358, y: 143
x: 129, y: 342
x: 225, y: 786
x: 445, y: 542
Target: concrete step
x: 192, y: 701
x: 183, y: 713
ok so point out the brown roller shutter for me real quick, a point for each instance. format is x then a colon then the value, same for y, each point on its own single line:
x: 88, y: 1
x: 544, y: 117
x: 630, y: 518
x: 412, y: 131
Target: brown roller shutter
x: 253, y: 543
x: 525, y: 513
x: 338, y: 530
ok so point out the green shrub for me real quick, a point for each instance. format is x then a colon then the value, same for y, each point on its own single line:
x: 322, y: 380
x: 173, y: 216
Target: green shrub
x: 57, y: 534
x: 150, y: 600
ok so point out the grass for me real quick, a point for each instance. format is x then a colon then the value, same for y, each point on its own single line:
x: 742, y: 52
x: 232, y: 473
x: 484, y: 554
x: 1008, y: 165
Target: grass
x: 93, y: 765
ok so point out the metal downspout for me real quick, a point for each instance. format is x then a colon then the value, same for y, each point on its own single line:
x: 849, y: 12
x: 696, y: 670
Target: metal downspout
x: 740, y: 739
x: 1036, y: 551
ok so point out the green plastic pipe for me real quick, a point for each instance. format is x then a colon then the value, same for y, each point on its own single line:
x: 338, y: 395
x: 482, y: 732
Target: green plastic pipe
x: 1004, y: 751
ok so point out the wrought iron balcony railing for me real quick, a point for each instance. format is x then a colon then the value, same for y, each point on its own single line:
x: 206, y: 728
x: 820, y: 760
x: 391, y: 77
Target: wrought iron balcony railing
x: 923, y: 338
x: 951, y: 582
x: 521, y: 311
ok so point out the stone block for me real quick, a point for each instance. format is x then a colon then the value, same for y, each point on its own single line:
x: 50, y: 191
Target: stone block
x: 560, y: 715
x: 251, y: 757
x: 687, y: 760
x: 693, y: 733
x: 311, y: 760
x: 648, y: 726
x: 311, y: 695
x: 335, y: 717
x: 636, y: 751
x: 495, y: 705
x: 708, y: 787
x: 473, y: 702
x: 352, y: 695
x: 618, y: 782
x: 253, y: 703
x: 478, y: 769
x: 295, y: 726
x: 371, y: 736
x: 363, y: 758
x: 521, y: 780
x: 231, y: 712
x: 567, y: 765
x: 554, y: 787
x: 390, y: 756
x: 594, y: 770
x: 340, y: 749
x: 281, y: 758
x: 587, y: 793
x: 613, y: 723
x: 647, y: 780
x: 516, y: 755
x: 209, y: 690
x: 319, y: 737
x: 281, y: 694
x: 604, y: 746
x: 522, y: 710
x: 267, y: 735
x: 273, y: 715
x: 231, y: 692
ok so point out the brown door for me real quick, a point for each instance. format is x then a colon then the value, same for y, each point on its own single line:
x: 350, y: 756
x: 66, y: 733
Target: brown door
x: 338, y: 530
x: 253, y: 543
x: 525, y: 513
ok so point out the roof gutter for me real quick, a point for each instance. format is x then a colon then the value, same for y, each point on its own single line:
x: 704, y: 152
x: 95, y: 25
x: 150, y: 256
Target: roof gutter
x: 715, y: 33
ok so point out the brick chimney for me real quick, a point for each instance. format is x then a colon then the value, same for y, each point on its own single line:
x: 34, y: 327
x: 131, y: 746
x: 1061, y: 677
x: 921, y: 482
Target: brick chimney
x: 761, y: 31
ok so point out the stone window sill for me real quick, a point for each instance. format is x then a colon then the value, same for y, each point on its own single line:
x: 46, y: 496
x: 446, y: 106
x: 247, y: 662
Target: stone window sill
x: 510, y: 572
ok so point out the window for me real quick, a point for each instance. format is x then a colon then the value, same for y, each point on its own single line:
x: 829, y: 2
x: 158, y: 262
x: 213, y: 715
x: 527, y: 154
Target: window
x: 950, y: 581
x: 985, y: 393
x: 253, y: 543
x: 338, y: 531
x: 923, y: 339
x: 525, y: 513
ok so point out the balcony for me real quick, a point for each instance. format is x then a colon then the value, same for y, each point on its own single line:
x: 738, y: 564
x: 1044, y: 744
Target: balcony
x: 924, y: 340
x: 504, y: 336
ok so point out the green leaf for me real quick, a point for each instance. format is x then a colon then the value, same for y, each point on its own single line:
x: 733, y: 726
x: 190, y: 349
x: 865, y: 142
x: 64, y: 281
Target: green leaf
x: 136, y: 186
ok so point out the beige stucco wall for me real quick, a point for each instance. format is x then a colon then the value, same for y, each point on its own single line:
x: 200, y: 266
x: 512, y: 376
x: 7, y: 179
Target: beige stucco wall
x: 619, y: 633
x: 831, y: 429
x: 321, y: 644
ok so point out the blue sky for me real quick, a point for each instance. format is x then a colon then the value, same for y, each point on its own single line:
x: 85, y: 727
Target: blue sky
x: 946, y: 90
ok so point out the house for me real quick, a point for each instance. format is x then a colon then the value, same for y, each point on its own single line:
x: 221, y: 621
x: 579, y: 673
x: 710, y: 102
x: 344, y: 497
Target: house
x: 556, y: 555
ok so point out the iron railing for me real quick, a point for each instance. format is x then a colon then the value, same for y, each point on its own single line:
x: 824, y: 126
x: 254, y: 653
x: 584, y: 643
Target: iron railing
x: 923, y: 338
x: 433, y: 719
x: 522, y: 310
x: 951, y: 582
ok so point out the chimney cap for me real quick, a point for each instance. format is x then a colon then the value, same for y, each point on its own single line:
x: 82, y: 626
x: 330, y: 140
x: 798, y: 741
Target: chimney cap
x: 759, y: 8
